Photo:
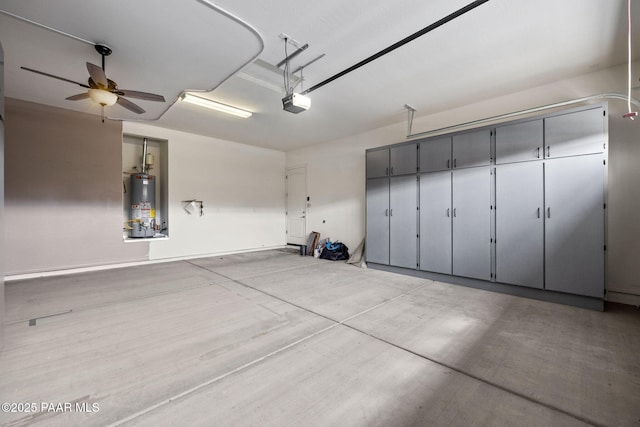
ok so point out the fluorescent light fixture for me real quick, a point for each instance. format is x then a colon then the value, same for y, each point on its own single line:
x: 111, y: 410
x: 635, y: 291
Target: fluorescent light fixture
x: 103, y: 97
x: 296, y: 103
x: 213, y: 105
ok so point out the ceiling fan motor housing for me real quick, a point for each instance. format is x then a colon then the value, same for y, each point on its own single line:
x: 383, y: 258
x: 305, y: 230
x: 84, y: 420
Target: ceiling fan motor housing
x: 103, y: 49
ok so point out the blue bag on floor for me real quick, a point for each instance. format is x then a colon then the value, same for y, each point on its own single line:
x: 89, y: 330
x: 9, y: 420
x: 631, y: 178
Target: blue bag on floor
x: 335, y: 251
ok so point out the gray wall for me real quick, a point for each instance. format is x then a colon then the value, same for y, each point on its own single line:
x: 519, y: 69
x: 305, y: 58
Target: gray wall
x: 63, y: 190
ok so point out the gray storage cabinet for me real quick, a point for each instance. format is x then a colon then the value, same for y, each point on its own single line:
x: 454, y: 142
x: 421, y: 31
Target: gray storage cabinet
x: 574, y: 233
x: 534, y: 219
x: 435, y: 154
x: 400, y: 160
x: 403, y: 221
x: 519, y: 213
x: 471, y: 149
x: 378, y: 163
x: 403, y: 159
x: 520, y: 142
x: 392, y: 206
x: 472, y: 223
x: 377, y: 237
x: 435, y: 222
x: 575, y: 133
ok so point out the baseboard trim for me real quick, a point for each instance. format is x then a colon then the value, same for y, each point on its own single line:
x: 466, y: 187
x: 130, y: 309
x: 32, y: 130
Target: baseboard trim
x: 519, y: 291
x: 623, y: 298
x: 76, y: 270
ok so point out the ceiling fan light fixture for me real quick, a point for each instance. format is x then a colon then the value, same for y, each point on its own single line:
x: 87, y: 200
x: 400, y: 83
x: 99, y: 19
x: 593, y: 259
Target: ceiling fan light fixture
x: 217, y: 106
x: 103, y: 97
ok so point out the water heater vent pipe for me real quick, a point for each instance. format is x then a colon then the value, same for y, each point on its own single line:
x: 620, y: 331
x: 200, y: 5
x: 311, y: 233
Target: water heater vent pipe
x: 144, y: 156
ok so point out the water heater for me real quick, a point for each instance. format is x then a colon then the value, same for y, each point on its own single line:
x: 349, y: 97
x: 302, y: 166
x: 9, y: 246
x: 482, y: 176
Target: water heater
x: 143, y: 205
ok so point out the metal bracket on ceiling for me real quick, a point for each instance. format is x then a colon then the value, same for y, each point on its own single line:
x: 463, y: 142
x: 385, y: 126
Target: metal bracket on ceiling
x: 410, y: 112
x: 300, y: 68
x: 293, y: 54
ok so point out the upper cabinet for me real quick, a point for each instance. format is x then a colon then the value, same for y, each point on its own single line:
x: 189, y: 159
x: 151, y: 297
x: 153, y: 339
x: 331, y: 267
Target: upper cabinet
x: 398, y: 160
x: 378, y: 163
x: 435, y: 154
x: 576, y: 133
x: 520, y: 142
x: 404, y: 159
x: 472, y: 149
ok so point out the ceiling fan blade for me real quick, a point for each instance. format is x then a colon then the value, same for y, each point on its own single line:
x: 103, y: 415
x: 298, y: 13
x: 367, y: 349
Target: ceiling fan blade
x: 78, y: 97
x: 129, y: 105
x: 142, y: 95
x: 55, y: 77
x: 97, y: 75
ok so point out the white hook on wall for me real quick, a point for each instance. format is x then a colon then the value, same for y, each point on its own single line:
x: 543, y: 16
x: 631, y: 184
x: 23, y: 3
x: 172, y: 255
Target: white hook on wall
x: 192, y: 205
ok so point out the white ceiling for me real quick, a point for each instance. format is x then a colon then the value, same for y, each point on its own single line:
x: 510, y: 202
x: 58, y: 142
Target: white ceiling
x: 171, y: 46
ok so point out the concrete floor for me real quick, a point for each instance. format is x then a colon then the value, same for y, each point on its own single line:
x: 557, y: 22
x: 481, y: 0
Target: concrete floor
x: 275, y: 339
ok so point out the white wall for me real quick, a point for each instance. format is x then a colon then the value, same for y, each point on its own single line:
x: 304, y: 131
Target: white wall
x: 336, y: 170
x: 63, y: 201
x: 1, y: 197
x: 63, y: 190
x: 243, y: 189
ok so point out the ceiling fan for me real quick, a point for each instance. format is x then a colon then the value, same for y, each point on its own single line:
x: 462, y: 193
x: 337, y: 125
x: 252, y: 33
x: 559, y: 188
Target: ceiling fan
x: 103, y: 90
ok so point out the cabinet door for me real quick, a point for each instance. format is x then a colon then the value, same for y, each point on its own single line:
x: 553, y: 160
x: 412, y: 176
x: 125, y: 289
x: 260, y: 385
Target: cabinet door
x: 377, y: 233
x: 472, y: 149
x: 519, y: 142
x: 520, y: 224
x: 435, y: 222
x: 404, y: 159
x: 377, y: 163
x: 572, y: 134
x: 472, y: 223
x: 435, y: 155
x: 574, y: 225
x: 403, y: 217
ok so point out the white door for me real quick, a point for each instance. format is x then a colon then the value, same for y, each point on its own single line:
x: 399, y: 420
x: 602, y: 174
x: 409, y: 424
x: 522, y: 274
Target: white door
x: 297, y: 206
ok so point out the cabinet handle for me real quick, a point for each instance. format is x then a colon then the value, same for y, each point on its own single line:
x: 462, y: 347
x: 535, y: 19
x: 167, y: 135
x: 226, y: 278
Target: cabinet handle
x: 386, y: 212
x: 454, y: 213
x: 448, y: 163
x: 538, y: 212
x: 391, y: 170
x: 548, y: 212
x: 386, y: 171
x: 548, y: 151
x: 454, y: 163
x: 538, y: 152
x: 448, y: 212
x: 390, y: 212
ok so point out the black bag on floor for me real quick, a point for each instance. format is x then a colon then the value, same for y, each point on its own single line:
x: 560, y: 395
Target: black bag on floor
x: 336, y: 251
